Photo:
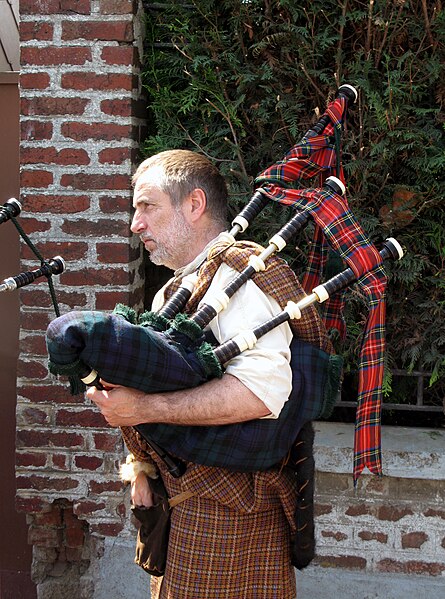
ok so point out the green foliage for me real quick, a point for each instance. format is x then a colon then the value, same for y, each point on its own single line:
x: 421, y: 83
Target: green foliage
x: 241, y: 81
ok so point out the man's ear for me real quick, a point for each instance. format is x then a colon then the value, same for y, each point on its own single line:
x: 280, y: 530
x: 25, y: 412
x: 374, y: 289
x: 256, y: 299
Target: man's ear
x: 195, y: 205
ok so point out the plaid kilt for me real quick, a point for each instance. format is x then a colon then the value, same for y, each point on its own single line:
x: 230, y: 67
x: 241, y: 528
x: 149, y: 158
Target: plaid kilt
x: 232, y: 539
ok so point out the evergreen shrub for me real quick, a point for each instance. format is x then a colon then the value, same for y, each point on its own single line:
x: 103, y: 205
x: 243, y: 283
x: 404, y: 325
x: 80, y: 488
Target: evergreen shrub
x: 241, y: 81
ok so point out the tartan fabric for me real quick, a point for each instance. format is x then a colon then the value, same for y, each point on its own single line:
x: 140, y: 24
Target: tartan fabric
x: 121, y: 352
x: 232, y: 539
x: 256, y: 444
x: 333, y: 217
x: 259, y: 444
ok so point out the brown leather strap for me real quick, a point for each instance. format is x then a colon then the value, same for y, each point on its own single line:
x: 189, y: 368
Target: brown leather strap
x: 177, y: 499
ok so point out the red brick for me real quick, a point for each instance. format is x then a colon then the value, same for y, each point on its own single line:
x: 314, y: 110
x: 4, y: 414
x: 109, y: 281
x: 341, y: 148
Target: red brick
x: 35, y: 130
x: 31, y: 369
x: 360, y: 509
x: 96, y: 181
x: 34, y: 81
x: 46, y: 483
x: 36, y: 178
x: 56, y: 204
x: 91, y: 276
x: 79, y: 7
x: 393, y: 513
x: 84, y: 418
x: 116, y: 7
x: 34, y: 225
x: 39, y: 7
x: 87, y: 507
x: 108, y: 81
x: 97, y: 131
x: 59, y: 461
x: 414, y: 540
x: 51, y: 7
x: 109, y: 442
x: 115, y: 31
x: 338, y: 536
x: 50, y: 106
x: 122, y: 55
x: 113, y: 253
x: 30, y: 415
x: 322, y: 509
x: 74, y: 537
x: 103, y: 227
x: 30, y: 459
x: 341, y: 561
x: 105, y: 487
x: 113, y: 204
x: 55, y: 55
x: 367, y: 535
x: 433, y: 513
x: 108, y: 300
x: 88, y: 462
x: 114, y: 155
x: 107, y: 530
x: 43, y: 299
x: 35, y: 30
x: 53, y: 156
x: 49, y: 393
x: 71, y: 250
x: 411, y: 567
x: 34, y: 344
x: 49, y: 438
x: 117, y: 107
x: 31, y: 505
x: 35, y: 321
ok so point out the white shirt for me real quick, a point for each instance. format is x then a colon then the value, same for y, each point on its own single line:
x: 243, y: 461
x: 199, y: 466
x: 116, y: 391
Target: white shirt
x: 265, y: 368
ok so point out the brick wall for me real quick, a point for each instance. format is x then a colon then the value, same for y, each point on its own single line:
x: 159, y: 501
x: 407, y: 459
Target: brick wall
x: 80, y: 131
x: 81, y: 124
x: 393, y: 524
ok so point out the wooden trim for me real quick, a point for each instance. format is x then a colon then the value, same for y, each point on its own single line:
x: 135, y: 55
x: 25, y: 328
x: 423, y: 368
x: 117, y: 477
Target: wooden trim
x: 9, y: 78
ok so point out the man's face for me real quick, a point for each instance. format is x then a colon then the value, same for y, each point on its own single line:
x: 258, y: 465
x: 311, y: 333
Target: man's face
x: 161, y: 226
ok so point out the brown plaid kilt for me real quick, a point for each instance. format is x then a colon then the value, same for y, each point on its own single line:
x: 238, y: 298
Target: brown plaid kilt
x: 232, y: 539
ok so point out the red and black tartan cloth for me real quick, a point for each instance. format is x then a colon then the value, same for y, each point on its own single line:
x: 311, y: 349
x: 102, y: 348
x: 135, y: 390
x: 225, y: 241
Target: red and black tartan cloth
x: 336, y: 225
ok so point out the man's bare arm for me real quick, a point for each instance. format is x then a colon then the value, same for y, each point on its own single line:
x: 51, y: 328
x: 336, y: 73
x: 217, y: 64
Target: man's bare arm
x: 219, y: 401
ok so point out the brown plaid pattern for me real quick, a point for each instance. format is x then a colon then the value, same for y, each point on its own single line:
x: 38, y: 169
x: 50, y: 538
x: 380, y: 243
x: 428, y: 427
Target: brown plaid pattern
x: 232, y: 539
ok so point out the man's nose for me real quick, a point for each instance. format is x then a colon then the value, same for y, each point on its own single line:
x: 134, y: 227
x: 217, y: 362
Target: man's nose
x: 137, y: 223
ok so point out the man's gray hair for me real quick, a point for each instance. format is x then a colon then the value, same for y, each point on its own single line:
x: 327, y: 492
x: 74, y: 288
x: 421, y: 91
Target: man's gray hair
x: 181, y: 172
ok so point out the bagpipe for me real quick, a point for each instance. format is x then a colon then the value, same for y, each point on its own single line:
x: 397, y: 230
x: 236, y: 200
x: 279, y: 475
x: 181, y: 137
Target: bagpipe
x: 169, y: 350
x: 55, y: 266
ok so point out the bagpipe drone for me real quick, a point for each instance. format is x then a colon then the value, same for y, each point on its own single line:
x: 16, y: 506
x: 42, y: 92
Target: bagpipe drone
x: 55, y: 266
x: 168, y: 350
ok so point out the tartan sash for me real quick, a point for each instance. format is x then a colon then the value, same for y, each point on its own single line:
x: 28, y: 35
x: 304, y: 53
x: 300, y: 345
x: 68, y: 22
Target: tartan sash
x: 337, y: 226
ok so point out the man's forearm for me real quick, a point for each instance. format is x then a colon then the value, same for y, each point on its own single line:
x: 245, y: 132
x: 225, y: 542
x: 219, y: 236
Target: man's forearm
x: 220, y: 401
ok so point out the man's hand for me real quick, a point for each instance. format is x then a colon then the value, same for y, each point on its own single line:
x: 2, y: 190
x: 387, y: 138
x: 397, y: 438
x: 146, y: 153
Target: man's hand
x: 141, y: 495
x: 119, y: 405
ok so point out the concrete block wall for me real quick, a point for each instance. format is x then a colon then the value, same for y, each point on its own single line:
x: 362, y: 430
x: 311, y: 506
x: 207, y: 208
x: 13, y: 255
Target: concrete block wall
x: 82, y: 121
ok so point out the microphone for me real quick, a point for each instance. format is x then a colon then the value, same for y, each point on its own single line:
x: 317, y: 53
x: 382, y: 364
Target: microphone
x: 10, y: 208
x: 55, y: 266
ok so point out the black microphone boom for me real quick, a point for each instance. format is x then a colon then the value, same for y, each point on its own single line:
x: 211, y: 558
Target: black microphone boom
x: 55, y: 266
x: 10, y: 208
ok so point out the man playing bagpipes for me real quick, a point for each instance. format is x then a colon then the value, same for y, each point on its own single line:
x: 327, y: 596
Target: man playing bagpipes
x: 231, y: 385
x: 231, y: 538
